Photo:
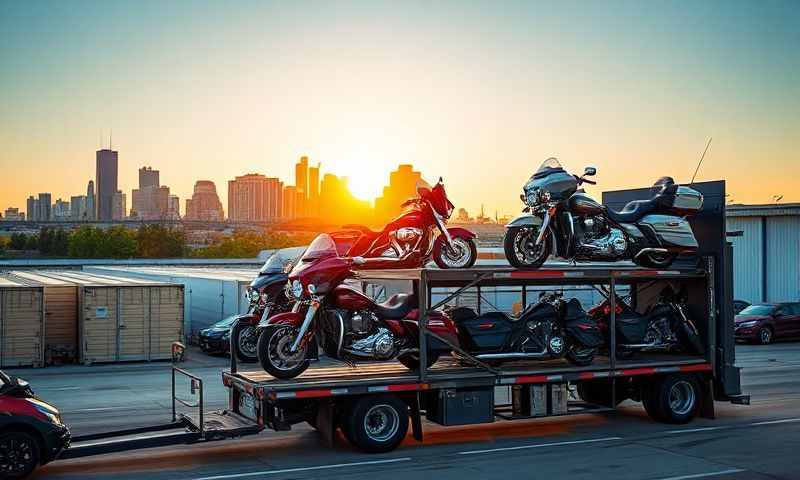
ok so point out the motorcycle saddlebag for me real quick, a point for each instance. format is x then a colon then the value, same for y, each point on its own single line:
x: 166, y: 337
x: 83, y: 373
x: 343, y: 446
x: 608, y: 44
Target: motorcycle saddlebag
x: 487, y: 332
x: 580, y: 326
x: 631, y: 328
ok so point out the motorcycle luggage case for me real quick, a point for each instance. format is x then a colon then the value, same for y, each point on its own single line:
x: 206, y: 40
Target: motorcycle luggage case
x: 461, y: 406
x: 487, y: 332
x: 631, y: 328
x: 672, y: 231
x: 687, y: 200
x: 580, y: 326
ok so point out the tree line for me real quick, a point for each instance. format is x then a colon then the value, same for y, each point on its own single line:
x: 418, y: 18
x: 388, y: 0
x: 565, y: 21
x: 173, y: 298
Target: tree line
x: 148, y: 241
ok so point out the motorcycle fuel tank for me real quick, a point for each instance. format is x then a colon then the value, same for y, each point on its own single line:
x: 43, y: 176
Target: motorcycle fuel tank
x: 582, y: 204
x: 350, y: 299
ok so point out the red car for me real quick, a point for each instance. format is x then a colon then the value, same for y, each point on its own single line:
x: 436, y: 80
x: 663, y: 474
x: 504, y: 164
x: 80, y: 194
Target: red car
x: 763, y: 323
x: 31, y: 431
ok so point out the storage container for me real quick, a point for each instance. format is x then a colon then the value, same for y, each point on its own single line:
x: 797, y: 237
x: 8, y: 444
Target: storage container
x: 465, y: 406
x: 21, y: 324
x: 540, y: 400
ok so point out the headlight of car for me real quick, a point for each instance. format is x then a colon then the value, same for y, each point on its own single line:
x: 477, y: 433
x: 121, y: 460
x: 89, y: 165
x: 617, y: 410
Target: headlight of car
x: 748, y: 324
x: 297, y: 289
x: 54, y: 417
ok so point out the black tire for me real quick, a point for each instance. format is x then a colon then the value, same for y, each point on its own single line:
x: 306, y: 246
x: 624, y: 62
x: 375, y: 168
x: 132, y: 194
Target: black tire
x: 510, y: 240
x: 269, y: 339
x: 377, y: 424
x: 657, y: 262
x: 765, y: 335
x: 411, y: 361
x: 672, y: 399
x: 20, y: 454
x: 244, y: 354
x: 581, y: 356
x: 467, y: 247
x: 598, y: 392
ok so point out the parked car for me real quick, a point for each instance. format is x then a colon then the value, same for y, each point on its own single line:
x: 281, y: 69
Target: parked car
x: 763, y: 323
x: 217, y: 337
x: 31, y: 431
x: 739, y: 305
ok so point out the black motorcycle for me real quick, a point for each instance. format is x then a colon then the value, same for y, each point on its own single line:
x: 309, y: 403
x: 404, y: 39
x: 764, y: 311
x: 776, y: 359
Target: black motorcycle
x: 664, y: 327
x: 563, y: 221
x: 266, y: 297
x: 551, y: 328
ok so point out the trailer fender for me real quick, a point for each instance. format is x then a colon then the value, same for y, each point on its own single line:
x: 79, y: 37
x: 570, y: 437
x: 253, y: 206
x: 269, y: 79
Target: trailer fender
x: 287, y: 318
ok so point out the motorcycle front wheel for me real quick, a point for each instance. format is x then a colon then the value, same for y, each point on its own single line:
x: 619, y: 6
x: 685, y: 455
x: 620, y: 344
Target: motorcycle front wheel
x: 519, y: 245
x: 245, y: 340
x: 463, y: 254
x: 274, y: 353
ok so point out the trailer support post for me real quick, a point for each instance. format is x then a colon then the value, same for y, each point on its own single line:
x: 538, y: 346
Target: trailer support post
x: 416, y: 417
x: 423, y: 326
x: 325, y: 423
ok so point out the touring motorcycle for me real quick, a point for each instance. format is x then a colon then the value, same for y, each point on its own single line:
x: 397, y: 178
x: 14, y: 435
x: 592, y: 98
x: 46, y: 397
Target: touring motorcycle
x: 266, y: 296
x: 551, y: 328
x: 563, y: 220
x: 340, y: 321
x: 418, y: 234
x: 664, y: 326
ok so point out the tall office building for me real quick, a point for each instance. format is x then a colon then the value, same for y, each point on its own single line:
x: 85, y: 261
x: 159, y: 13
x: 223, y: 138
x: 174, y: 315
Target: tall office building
x: 204, y: 204
x: 62, y: 211
x: 45, y: 207
x: 33, y: 208
x: 151, y: 201
x: 91, y: 212
x: 77, y: 207
x: 289, y: 202
x: 12, y: 214
x: 106, y: 174
x: 148, y: 177
x: 118, y: 206
x: 402, y: 186
x: 174, y: 210
x: 255, y: 198
x: 301, y: 185
x: 313, y: 192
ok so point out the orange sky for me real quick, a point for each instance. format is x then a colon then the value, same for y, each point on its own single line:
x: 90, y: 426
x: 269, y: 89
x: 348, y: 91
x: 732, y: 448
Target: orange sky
x: 475, y: 93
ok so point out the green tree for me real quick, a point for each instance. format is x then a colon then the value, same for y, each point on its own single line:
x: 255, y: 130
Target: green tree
x: 32, y: 242
x: 61, y: 243
x: 117, y: 242
x: 46, y: 238
x: 249, y: 244
x: 158, y: 241
x: 84, y: 241
x: 18, y: 241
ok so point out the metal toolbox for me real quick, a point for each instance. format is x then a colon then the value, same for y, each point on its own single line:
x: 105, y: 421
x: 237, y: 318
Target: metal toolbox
x: 465, y: 406
x: 539, y: 400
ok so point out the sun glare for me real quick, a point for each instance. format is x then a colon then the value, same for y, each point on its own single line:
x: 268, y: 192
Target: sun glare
x: 365, y: 185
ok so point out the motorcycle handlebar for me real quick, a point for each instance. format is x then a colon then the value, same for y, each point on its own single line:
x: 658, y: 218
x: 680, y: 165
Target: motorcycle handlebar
x: 583, y: 180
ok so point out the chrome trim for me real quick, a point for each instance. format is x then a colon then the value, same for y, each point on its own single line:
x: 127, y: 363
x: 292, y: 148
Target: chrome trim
x: 543, y: 228
x: 442, y: 227
x: 312, y: 309
x: 501, y: 356
x: 645, y: 251
x: 265, y: 315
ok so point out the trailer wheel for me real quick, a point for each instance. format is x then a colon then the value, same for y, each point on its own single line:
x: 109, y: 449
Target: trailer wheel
x: 377, y: 424
x: 672, y: 399
x: 20, y: 454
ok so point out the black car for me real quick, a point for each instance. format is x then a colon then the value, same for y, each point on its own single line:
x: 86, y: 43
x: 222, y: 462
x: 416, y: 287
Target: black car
x: 31, y: 430
x: 217, y: 337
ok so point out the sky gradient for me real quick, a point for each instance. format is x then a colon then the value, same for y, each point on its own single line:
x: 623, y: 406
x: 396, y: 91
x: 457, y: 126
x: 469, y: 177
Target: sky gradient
x: 477, y: 92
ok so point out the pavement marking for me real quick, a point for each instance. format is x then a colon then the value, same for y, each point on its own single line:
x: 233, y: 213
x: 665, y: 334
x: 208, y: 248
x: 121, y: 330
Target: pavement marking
x: 704, y: 475
x: 693, y: 430
x: 59, y: 389
x: 773, y: 422
x: 100, y: 409
x: 304, y: 469
x: 540, y: 445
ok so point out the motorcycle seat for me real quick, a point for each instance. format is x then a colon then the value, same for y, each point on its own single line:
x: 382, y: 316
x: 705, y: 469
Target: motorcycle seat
x: 397, y: 306
x: 633, y: 211
x: 361, y: 228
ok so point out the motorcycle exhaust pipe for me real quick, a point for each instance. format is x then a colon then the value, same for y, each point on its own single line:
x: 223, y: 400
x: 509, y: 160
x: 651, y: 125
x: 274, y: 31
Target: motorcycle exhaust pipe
x: 646, y: 251
x: 507, y: 356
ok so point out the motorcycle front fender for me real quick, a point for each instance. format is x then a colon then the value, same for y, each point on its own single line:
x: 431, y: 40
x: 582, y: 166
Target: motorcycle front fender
x: 458, y: 232
x: 526, y: 220
x: 293, y: 319
x: 247, y: 319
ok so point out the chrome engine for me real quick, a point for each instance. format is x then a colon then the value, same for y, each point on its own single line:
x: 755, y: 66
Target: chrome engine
x: 403, y: 240
x: 364, y: 337
x: 596, y: 239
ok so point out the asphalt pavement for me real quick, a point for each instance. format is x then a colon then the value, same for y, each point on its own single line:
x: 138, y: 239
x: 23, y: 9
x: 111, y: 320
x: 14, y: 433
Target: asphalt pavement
x: 744, y: 442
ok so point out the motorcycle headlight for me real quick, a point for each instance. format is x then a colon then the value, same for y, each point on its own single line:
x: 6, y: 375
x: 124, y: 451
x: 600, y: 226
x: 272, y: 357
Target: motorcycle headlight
x: 297, y: 289
x: 532, y: 197
x: 312, y: 289
x: 253, y: 296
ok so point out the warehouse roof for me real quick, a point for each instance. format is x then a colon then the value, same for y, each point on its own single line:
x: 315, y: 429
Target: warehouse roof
x: 763, y: 210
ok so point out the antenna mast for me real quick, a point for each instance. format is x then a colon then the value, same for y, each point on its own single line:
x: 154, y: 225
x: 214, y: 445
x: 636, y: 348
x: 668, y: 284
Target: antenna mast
x: 701, y: 160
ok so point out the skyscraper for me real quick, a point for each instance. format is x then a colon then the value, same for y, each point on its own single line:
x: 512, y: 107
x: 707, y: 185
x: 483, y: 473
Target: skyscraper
x: 313, y: 192
x: 402, y: 186
x: 91, y: 212
x: 62, y: 211
x: 45, y: 207
x: 289, y: 202
x: 301, y: 184
x: 151, y: 201
x: 107, y: 162
x: 148, y: 177
x: 118, y: 206
x: 254, y: 197
x: 33, y: 209
x: 77, y: 207
x: 204, y: 204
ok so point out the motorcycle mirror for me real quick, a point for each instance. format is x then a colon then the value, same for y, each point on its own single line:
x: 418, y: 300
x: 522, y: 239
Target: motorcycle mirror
x: 589, y: 171
x: 522, y: 196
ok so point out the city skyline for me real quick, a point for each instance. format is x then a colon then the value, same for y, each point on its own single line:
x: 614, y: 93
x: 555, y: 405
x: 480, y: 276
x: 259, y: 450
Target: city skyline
x: 456, y: 89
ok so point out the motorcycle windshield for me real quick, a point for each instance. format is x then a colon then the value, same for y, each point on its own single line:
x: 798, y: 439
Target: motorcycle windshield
x: 274, y: 264
x: 440, y: 202
x: 551, y: 165
x: 322, y: 247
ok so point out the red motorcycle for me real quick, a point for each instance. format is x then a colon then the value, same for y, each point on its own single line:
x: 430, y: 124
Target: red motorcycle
x: 411, y: 239
x: 342, y: 322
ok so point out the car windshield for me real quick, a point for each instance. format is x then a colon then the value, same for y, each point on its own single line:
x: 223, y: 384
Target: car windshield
x: 758, y: 310
x: 225, y: 322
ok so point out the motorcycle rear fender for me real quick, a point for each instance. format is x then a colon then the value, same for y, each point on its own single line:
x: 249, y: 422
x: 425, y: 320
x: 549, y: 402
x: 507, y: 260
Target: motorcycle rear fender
x: 293, y: 319
x: 526, y: 220
x: 458, y: 232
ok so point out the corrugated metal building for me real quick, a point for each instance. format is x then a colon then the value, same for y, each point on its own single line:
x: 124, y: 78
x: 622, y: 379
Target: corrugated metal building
x: 766, y: 251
